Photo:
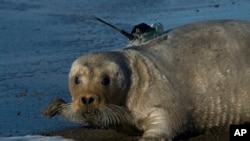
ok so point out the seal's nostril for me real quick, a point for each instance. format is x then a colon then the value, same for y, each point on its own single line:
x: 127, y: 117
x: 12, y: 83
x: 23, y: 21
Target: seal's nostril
x: 87, y: 100
x: 91, y: 100
x: 84, y: 100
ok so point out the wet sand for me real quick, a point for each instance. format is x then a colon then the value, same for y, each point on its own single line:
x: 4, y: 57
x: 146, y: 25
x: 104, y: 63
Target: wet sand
x: 83, y: 134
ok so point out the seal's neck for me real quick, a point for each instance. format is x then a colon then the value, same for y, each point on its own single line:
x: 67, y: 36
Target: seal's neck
x: 141, y: 73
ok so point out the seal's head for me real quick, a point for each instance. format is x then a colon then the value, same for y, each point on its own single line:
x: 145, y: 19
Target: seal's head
x: 98, y: 85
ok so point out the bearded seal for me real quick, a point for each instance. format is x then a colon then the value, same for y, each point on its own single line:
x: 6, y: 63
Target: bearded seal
x: 193, y: 78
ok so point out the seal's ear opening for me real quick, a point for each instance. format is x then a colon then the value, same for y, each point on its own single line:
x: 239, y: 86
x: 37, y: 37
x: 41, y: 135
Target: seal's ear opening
x: 123, y: 32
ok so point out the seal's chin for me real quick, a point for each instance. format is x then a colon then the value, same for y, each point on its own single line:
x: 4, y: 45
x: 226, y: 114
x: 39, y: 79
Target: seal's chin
x: 109, y: 115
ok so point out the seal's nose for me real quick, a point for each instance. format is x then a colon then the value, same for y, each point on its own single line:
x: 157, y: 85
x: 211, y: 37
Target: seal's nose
x: 88, y: 100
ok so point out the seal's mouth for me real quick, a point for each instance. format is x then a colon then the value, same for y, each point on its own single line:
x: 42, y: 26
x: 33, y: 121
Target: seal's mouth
x: 103, y: 116
x: 109, y: 115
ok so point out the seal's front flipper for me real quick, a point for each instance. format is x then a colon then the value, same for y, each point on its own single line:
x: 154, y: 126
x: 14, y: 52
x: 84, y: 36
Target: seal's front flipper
x: 54, y: 107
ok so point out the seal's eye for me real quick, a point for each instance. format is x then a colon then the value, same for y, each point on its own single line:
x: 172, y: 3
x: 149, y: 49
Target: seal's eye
x: 105, y: 81
x: 77, y: 80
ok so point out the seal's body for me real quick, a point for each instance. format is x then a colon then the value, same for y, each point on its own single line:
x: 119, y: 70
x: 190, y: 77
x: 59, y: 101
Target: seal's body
x: 191, y: 79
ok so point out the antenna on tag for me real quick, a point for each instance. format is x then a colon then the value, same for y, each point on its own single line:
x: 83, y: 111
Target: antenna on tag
x: 123, y: 32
